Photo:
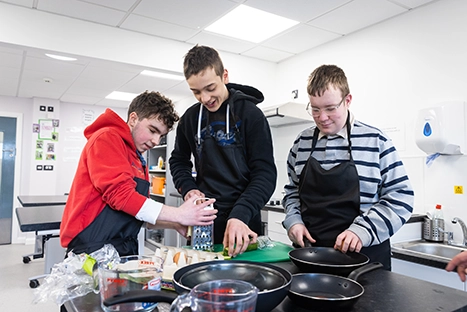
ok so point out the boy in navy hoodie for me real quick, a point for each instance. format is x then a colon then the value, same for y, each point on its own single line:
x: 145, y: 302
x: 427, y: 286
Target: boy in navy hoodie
x: 230, y: 140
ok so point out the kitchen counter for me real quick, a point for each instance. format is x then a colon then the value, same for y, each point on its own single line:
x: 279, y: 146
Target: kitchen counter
x: 389, y: 291
x: 384, y: 292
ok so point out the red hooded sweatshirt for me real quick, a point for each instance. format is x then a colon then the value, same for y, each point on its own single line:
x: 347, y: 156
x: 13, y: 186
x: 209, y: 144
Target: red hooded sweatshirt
x: 105, y: 173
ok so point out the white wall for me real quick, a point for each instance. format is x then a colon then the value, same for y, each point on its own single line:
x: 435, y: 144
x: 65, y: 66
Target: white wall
x: 394, y: 69
x: 67, y: 148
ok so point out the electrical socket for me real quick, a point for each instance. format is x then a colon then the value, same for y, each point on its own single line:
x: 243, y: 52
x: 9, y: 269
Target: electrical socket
x: 295, y: 94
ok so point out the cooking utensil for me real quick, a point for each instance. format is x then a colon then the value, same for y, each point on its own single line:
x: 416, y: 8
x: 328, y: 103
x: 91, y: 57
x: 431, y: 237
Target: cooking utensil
x: 327, y: 260
x: 140, y: 295
x: 202, y: 236
x: 219, y: 296
x: 326, y: 292
x: 272, y: 282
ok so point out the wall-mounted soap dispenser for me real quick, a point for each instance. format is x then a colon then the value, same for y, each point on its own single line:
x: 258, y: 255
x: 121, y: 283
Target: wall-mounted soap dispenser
x: 441, y: 129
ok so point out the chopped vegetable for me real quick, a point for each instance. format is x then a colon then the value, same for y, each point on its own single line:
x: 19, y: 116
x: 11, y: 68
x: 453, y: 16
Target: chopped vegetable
x: 252, y: 246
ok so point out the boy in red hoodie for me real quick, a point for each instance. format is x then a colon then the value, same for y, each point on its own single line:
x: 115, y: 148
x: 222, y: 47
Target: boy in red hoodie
x: 108, y: 201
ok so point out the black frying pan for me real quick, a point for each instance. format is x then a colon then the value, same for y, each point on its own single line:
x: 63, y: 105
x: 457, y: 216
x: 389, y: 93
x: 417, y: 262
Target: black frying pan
x: 273, y: 282
x: 325, y: 292
x: 327, y: 260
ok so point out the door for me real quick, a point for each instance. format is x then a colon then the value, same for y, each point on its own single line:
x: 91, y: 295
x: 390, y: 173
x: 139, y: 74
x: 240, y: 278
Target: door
x: 7, y: 178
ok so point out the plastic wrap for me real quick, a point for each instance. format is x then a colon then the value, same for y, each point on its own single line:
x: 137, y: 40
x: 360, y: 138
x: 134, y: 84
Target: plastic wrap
x: 264, y: 242
x: 75, y: 276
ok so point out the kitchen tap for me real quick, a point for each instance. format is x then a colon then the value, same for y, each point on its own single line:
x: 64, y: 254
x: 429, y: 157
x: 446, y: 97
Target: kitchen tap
x: 448, y: 236
x: 464, y: 229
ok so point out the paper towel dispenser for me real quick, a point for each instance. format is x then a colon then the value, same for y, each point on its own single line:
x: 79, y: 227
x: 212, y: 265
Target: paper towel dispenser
x: 441, y: 129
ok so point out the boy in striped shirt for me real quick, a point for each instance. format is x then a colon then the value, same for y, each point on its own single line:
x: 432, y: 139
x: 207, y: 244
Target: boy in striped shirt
x: 347, y: 188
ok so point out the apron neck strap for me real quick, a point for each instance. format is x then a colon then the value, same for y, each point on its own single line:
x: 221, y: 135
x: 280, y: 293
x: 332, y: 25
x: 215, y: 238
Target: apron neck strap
x: 316, y: 132
x: 199, y: 122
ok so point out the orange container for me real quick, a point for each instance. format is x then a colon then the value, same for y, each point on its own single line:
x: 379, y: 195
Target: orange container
x: 158, y: 185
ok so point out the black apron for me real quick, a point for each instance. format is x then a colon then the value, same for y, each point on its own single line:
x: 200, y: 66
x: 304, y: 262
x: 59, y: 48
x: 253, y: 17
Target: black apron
x: 111, y: 227
x: 330, y: 201
x: 223, y: 173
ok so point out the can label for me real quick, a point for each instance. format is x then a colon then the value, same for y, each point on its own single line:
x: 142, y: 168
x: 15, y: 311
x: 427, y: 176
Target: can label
x: 155, y: 284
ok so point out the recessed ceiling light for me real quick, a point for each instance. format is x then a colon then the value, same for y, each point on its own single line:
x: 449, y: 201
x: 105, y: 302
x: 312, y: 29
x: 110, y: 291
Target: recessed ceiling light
x: 61, y: 58
x: 174, y: 76
x: 121, y: 96
x: 250, y: 24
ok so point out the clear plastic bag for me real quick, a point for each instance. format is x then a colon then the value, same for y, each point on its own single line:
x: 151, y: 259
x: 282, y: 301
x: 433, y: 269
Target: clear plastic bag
x: 264, y: 242
x: 74, y: 277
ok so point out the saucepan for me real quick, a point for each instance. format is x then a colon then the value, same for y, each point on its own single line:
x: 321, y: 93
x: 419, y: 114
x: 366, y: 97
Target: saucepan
x: 326, y: 292
x: 327, y: 260
x: 272, y: 282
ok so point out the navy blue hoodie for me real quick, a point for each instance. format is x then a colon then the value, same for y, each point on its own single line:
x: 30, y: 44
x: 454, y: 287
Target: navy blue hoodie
x: 256, y: 138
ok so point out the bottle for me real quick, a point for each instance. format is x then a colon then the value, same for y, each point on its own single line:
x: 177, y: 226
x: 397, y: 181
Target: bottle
x: 160, y: 162
x: 438, y: 224
x: 438, y: 213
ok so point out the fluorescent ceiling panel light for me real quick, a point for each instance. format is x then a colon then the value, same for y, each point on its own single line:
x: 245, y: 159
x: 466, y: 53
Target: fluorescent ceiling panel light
x: 61, y: 58
x: 250, y: 24
x: 121, y: 96
x: 162, y: 75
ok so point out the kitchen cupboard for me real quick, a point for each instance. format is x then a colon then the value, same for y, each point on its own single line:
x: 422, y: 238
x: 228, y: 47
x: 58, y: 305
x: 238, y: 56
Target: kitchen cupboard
x: 276, y: 231
x: 427, y: 273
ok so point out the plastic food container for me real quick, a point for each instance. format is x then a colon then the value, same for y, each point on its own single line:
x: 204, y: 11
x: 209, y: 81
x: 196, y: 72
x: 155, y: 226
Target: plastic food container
x: 130, y: 273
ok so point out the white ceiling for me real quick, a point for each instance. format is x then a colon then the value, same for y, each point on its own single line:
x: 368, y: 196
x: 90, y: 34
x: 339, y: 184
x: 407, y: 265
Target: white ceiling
x: 23, y: 70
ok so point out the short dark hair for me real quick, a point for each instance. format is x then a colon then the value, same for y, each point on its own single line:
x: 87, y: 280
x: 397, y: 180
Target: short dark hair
x: 325, y: 75
x: 199, y: 58
x: 151, y: 104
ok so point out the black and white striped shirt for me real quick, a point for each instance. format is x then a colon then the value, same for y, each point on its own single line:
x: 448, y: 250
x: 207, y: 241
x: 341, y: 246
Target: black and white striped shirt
x: 386, y: 195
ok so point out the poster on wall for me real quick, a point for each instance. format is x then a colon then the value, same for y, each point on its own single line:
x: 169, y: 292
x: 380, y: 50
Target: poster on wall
x: 87, y: 117
x: 50, y: 151
x: 39, y: 149
x: 46, y: 128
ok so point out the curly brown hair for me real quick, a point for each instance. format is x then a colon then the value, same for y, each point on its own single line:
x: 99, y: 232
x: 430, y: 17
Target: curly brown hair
x: 150, y: 104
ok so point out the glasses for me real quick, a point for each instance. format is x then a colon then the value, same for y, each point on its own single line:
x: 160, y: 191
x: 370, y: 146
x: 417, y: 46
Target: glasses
x: 328, y: 110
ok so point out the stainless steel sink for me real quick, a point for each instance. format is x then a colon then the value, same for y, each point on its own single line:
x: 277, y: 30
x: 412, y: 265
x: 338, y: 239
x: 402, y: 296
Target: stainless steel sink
x: 426, y: 249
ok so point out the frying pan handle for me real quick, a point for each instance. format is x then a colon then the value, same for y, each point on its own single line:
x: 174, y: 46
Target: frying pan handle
x: 307, y: 243
x: 140, y: 295
x: 355, y: 274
